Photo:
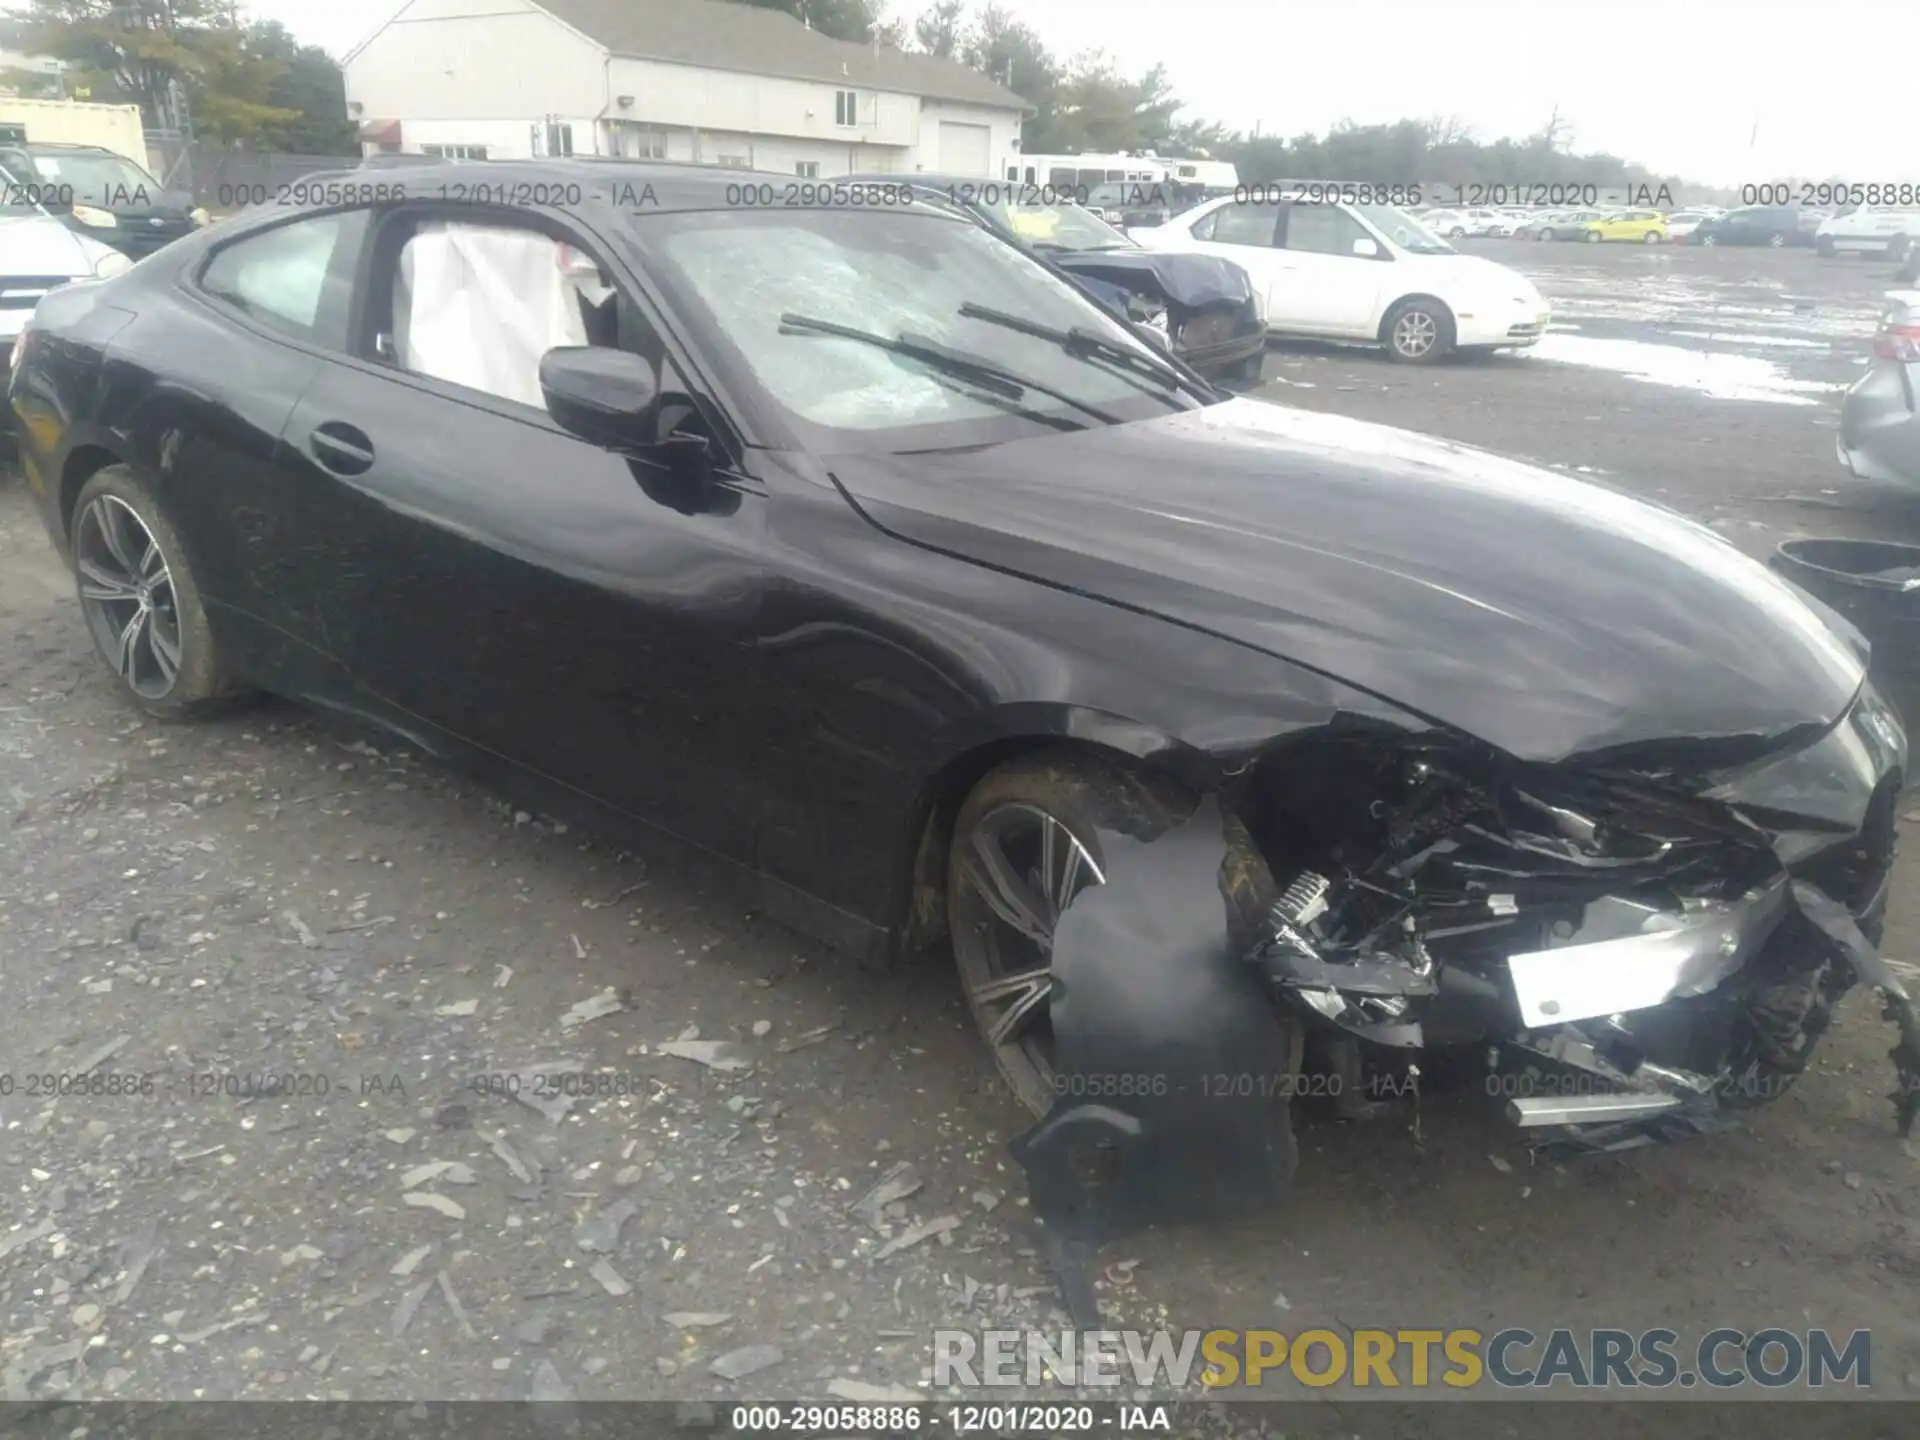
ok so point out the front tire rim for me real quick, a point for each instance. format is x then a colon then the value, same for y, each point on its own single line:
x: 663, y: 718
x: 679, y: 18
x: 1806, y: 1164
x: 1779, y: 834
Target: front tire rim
x: 1415, y: 333
x: 1777, y: 241
x: 1019, y: 867
x: 126, y: 593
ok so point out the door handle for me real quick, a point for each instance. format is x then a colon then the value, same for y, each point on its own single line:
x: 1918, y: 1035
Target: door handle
x: 341, y: 449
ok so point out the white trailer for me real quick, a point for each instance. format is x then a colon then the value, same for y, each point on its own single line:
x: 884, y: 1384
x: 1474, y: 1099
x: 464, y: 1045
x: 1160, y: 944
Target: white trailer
x: 74, y: 122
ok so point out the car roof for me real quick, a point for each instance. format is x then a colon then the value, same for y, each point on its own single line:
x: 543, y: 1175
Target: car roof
x: 674, y: 185
x: 63, y: 145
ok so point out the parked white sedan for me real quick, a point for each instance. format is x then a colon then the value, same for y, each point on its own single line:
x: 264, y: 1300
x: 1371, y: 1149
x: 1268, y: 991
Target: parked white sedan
x: 1368, y: 273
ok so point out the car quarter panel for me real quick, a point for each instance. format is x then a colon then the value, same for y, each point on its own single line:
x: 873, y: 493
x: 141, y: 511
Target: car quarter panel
x: 191, y: 401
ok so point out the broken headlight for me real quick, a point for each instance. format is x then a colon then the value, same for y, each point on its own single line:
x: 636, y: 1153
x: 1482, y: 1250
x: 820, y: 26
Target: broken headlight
x: 1402, y: 916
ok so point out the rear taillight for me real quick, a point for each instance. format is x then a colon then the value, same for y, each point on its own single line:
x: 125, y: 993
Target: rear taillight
x: 1898, y: 342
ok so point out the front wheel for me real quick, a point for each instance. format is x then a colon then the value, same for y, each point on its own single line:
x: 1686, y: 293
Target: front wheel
x: 1776, y: 241
x: 1027, y: 841
x: 1708, y: 240
x: 141, y: 602
x: 1652, y: 237
x: 1593, y: 237
x: 1418, y: 332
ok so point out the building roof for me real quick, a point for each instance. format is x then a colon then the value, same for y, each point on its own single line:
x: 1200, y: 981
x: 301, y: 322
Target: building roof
x: 760, y: 41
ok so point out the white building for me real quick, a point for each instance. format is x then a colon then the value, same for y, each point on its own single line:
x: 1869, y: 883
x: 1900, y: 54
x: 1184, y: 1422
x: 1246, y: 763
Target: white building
x: 692, y: 80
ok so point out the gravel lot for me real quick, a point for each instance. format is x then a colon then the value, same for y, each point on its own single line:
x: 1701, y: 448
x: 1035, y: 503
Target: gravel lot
x: 271, y: 895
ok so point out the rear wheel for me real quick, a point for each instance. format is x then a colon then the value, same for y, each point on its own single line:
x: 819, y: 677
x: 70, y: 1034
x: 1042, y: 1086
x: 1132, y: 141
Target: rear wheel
x: 1777, y: 240
x: 1593, y: 237
x: 1024, y: 844
x: 1417, y: 332
x: 141, y: 602
x: 1708, y: 240
x: 1823, y: 246
x: 1652, y: 237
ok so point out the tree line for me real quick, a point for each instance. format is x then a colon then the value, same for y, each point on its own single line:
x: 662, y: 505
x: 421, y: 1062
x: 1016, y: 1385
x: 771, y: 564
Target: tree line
x: 192, y: 66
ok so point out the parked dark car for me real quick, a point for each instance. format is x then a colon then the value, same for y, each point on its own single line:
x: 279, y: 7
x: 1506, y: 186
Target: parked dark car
x: 1206, y: 307
x: 1126, y: 203
x: 1774, y: 225
x: 104, y: 196
x: 849, y: 544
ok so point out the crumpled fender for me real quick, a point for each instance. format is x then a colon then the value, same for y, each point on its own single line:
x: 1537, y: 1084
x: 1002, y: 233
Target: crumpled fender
x: 1833, y: 920
x: 1159, y: 1026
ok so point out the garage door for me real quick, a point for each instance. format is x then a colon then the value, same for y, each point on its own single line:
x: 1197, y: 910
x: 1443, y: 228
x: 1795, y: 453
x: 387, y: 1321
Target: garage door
x: 966, y: 149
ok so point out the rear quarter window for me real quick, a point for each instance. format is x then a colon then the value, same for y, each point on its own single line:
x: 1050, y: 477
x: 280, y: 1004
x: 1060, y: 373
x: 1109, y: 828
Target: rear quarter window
x: 294, y: 278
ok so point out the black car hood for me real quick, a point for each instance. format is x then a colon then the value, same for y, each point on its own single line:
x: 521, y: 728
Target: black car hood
x: 1194, y: 281
x: 1547, y: 616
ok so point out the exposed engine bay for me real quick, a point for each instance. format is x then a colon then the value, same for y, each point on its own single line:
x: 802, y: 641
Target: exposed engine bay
x: 1640, y: 946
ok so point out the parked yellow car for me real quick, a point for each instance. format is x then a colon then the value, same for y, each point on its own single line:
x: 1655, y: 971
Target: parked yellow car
x: 1648, y: 227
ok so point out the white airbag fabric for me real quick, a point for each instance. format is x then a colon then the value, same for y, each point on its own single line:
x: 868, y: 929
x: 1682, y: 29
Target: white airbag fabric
x: 479, y: 305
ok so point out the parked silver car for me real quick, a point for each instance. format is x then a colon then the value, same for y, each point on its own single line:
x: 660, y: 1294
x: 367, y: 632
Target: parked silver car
x: 1879, y: 420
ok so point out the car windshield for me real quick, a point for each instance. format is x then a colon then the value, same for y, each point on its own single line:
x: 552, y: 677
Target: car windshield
x: 14, y: 195
x: 1047, y: 226
x: 942, y: 312
x: 1405, y: 231
x: 96, y: 176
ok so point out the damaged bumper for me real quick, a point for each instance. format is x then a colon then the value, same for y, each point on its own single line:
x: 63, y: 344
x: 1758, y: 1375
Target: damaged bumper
x: 1643, y: 944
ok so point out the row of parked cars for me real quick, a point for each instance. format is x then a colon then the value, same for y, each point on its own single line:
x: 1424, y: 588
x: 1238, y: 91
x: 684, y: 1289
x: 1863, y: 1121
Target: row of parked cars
x: 1216, y: 279
x: 1877, y: 230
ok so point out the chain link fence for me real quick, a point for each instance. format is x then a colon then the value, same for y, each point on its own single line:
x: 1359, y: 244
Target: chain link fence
x: 225, y: 180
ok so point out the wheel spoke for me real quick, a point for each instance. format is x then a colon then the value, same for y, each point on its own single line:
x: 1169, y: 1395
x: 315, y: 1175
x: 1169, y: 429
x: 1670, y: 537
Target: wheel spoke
x: 164, y: 648
x: 123, y: 646
x: 1011, y: 898
x: 110, y: 532
x: 98, y: 583
x: 150, y: 563
x: 1060, y: 878
x: 1026, y: 993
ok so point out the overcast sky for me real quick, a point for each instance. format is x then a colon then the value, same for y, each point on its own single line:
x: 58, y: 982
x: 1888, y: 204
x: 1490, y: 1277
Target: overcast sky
x: 1680, y: 85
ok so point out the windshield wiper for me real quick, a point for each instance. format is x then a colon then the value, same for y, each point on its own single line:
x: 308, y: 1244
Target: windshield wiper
x: 1088, y: 345
x: 957, y: 363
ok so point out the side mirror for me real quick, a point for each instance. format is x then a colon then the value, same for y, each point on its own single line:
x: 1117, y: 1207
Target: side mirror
x: 606, y: 397
x: 1366, y: 249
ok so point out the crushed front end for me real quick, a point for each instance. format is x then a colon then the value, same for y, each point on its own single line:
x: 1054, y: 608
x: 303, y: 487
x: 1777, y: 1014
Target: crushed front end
x: 1641, y: 943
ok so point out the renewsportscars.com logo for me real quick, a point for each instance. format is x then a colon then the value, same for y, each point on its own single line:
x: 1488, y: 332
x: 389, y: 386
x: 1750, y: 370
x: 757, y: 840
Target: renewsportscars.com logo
x: 1402, y: 1359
